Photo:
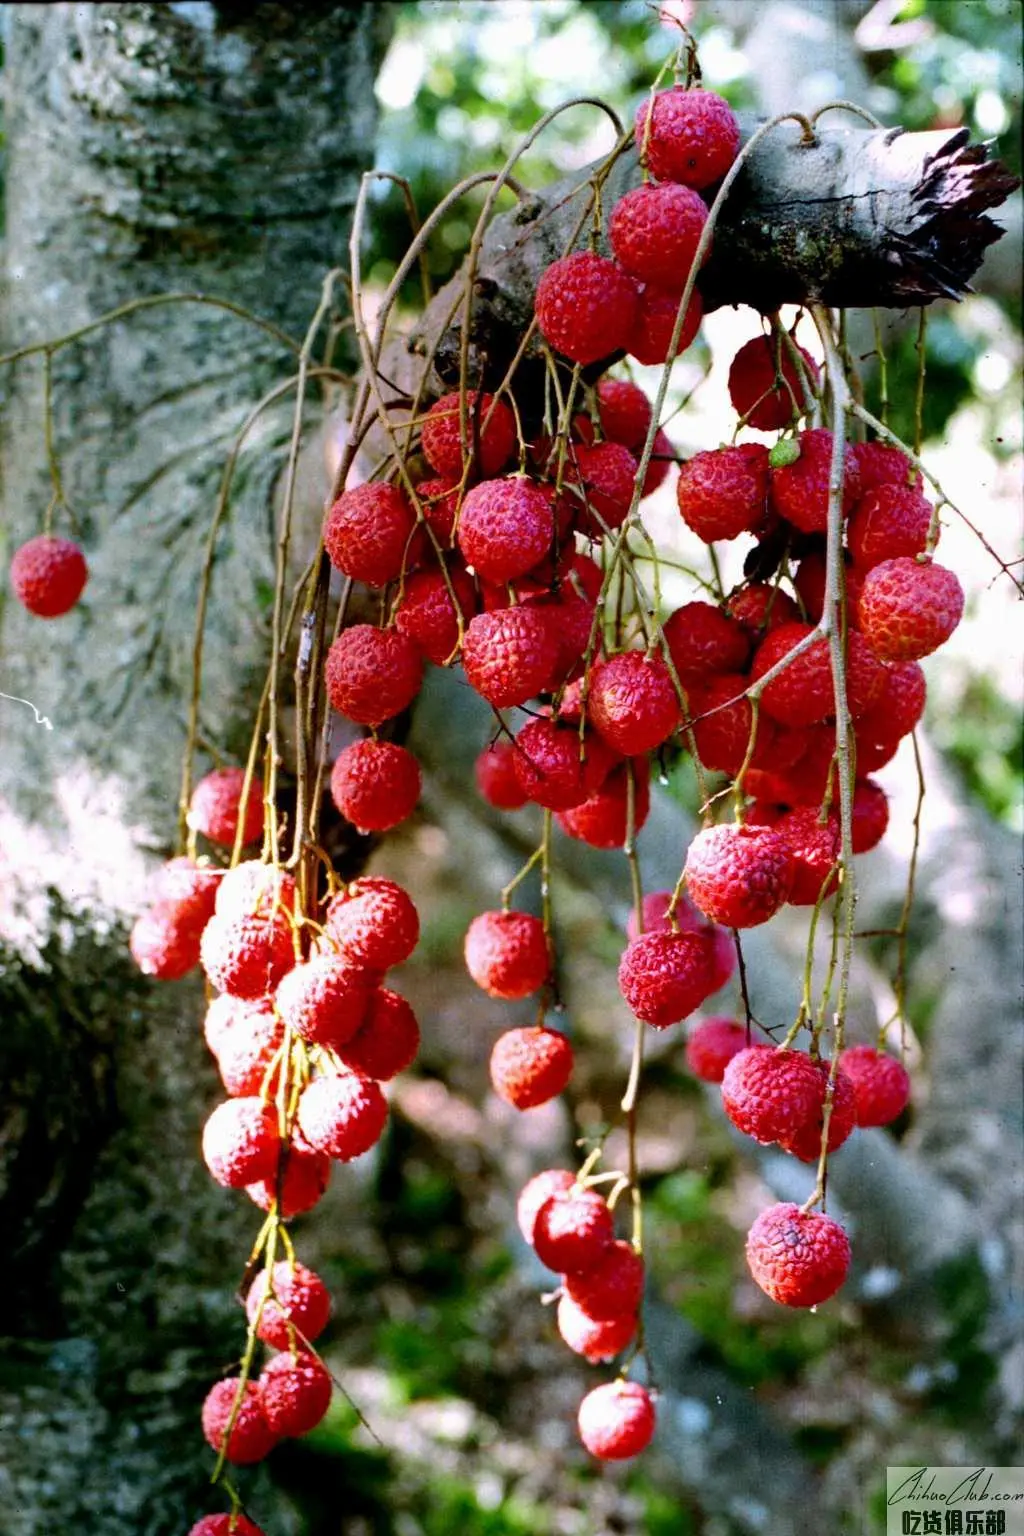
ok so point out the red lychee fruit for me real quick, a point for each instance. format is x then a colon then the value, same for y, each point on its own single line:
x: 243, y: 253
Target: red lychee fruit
x: 797, y: 1258
x: 530, y: 1066
x: 387, y: 1042
x: 664, y: 977
x: 372, y: 674
x: 657, y: 309
x: 633, y: 703
x: 586, y: 307
x: 367, y: 533
x: 251, y: 1437
x: 509, y: 655
x: 908, y: 608
x: 374, y: 924
x: 595, y: 1341
x: 654, y: 232
x: 342, y: 1114
x: 765, y: 385
x: 693, y: 136
x: 298, y: 1297
x: 507, y: 954
x: 216, y: 805
x: 241, y: 1142
x: 711, y: 1046
x: 491, y: 434
x: 295, y: 1390
x: 881, y: 1084
x: 739, y: 876
x: 48, y: 575
x: 375, y: 784
x: 617, y: 1420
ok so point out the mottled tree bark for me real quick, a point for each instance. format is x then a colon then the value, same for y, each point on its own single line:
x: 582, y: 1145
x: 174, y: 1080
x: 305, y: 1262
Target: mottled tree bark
x: 150, y: 148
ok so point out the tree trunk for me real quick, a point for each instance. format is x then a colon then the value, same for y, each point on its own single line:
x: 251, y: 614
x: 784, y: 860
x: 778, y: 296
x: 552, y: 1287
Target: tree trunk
x: 151, y: 148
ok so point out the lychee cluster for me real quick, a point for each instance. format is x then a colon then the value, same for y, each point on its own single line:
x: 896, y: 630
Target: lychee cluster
x: 571, y: 1228
x: 496, y: 540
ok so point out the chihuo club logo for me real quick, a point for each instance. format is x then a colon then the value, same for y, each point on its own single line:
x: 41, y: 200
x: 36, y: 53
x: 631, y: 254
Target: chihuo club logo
x: 955, y: 1501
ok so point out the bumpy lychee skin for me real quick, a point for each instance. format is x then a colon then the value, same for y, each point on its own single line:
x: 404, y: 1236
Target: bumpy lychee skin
x: 633, y: 703
x: 617, y: 1420
x: 908, y: 608
x: 191, y: 886
x: 723, y: 492
x: 507, y: 954
x: 870, y: 815
x: 530, y: 1066
x: 702, y: 641
x: 721, y: 951
x: 799, y: 491
x: 764, y: 384
x: 165, y: 941
x: 889, y: 521
x: 439, y: 498
x: 375, y: 784
x: 509, y: 655
x: 815, y: 846
x: 427, y: 613
x: 586, y: 307
x: 535, y: 1192
x: 374, y: 923
x: 603, y: 820
x: 216, y: 803
x: 295, y: 1390
x: 555, y: 769
x: 771, y: 1094
x: 693, y: 136
x: 387, y: 1041
x: 324, y: 1000
x: 251, y: 1438
x: 247, y: 956
x: 654, y: 232
x: 495, y: 773
x: 624, y: 411
x: 221, y: 1525
x: 899, y: 706
x: 882, y: 464
x: 573, y: 1230
x: 664, y: 977
x: 241, y: 1142
x: 506, y: 526
x: 367, y: 531
x: 254, y: 887
x: 298, y: 1297
x: 248, y: 1047
x: 797, y: 1259
x: 739, y: 876
x: 48, y: 575
x: 722, y: 722
x: 372, y: 674
x: 712, y: 1045
x: 491, y: 429
x: 606, y: 477
x: 760, y: 607
x: 881, y: 1084
x: 613, y: 1286
x: 651, y: 339
x: 802, y: 693
x: 343, y: 1114
x: 809, y: 583
x: 595, y: 1341
x: 804, y: 1141
x: 221, y: 1015
x: 303, y: 1184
